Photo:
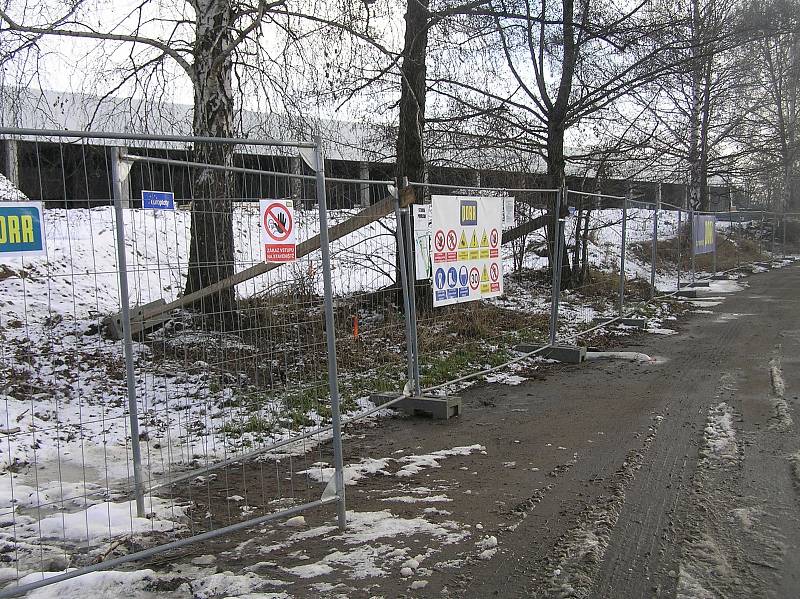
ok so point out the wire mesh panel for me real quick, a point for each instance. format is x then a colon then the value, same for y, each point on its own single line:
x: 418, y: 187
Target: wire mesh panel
x: 230, y: 385
x: 463, y: 339
x: 370, y: 324
x: 790, y: 234
x: 591, y: 291
x: 673, y: 248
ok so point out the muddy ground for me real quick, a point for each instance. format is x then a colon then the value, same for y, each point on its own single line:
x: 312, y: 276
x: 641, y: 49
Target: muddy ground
x: 613, y: 479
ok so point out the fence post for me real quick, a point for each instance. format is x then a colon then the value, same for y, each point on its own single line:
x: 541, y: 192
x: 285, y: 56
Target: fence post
x: 556, y: 266
x: 691, y: 237
x: 330, y: 333
x: 127, y: 344
x: 622, y: 253
x: 714, y: 256
x: 784, y: 233
x: 403, y: 263
x: 412, y: 301
x: 654, y: 256
x: 680, y: 248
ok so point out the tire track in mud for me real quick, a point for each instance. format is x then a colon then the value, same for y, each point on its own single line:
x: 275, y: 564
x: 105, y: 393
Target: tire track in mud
x: 742, y: 534
x: 643, y: 553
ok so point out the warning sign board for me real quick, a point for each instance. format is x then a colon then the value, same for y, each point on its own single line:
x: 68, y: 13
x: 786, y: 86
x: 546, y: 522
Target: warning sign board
x: 468, y: 266
x: 278, y: 230
x: 422, y: 241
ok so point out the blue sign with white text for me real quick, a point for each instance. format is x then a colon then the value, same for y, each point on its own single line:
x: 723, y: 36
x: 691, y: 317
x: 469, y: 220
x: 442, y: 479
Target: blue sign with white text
x: 22, y: 229
x: 158, y: 200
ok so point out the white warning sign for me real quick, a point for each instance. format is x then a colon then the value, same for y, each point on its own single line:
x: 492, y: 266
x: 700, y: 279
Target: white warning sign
x: 466, y: 260
x: 422, y: 240
x: 278, y: 230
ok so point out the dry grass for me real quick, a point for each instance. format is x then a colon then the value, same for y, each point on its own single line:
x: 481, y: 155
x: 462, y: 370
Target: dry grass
x: 604, y: 285
x: 731, y: 253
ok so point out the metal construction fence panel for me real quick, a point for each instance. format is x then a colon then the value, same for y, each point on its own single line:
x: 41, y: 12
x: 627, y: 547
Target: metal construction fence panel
x: 593, y: 233
x: 462, y: 340
x: 164, y: 383
x: 130, y: 411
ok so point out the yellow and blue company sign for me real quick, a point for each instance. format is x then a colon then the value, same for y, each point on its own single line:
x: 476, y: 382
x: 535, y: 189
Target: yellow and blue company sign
x: 705, y: 239
x: 22, y: 229
x: 469, y: 213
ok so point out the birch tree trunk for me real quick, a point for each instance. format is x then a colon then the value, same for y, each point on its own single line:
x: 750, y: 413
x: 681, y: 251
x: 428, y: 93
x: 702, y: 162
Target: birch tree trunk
x: 211, y: 250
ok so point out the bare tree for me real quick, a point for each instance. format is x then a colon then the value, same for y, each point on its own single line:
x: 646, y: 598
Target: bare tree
x: 216, y: 45
x: 770, y: 133
x: 567, y: 63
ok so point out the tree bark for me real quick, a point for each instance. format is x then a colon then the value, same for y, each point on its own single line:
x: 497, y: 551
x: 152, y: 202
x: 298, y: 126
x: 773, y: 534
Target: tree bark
x: 211, y: 247
x: 410, y: 155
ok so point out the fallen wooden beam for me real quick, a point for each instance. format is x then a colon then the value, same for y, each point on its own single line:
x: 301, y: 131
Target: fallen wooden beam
x: 149, y: 313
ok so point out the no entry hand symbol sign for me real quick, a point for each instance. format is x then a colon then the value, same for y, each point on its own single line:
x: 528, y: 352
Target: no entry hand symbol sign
x: 278, y: 230
x: 438, y: 240
x: 452, y: 240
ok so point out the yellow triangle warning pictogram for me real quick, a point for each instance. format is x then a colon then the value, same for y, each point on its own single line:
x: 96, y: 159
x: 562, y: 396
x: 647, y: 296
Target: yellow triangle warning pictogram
x: 484, y: 240
x: 485, y: 275
x: 474, y: 242
x: 462, y: 243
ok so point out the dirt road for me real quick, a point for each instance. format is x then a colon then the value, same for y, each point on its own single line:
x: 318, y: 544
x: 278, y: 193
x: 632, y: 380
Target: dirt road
x: 663, y: 504
x: 612, y: 479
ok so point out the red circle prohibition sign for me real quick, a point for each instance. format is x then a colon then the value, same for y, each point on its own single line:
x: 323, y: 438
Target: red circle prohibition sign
x: 494, y: 272
x: 438, y: 240
x: 493, y: 238
x: 452, y: 240
x: 283, y: 225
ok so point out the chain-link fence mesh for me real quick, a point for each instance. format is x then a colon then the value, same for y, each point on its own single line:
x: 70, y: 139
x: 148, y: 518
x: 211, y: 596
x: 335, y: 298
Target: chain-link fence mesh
x: 231, y: 389
x: 464, y: 339
x: 215, y: 380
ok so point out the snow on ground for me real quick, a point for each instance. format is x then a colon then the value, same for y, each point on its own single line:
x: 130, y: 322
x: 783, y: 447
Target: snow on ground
x: 145, y: 584
x: 410, y: 465
x: 9, y: 193
x: 720, y: 435
x: 782, y: 419
x: 65, y: 439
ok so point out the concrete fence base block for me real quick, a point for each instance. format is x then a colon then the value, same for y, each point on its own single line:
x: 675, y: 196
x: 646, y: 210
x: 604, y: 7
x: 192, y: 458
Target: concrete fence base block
x: 696, y: 284
x: 721, y: 278
x: 687, y: 293
x: 440, y: 408
x: 569, y: 354
x: 638, y: 323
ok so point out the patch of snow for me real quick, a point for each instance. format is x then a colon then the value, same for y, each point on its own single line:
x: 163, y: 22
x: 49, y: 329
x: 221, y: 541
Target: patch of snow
x: 505, y: 378
x: 719, y: 434
x: 295, y: 522
x: 109, y: 583
x: 107, y: 520
x: 487, y: 542
x: 413, y: 499
x: 658, y: 331
x: 412, y: 464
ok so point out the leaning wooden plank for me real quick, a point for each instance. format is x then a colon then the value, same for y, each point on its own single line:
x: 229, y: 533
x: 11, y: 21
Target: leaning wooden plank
x: 527, y: 227
x: 352, y: 224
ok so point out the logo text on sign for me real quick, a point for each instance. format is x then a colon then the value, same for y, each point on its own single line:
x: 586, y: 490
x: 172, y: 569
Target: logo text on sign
x: 469, y: 213
x: 22, y: 229
x: 158, y: 200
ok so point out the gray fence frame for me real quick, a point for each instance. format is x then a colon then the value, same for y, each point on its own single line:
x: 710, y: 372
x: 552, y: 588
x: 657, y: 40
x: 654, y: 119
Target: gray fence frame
x: 338, y: 497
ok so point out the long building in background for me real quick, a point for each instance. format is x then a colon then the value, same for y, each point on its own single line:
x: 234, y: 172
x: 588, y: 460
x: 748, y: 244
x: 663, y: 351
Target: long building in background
x: 57, y: 171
